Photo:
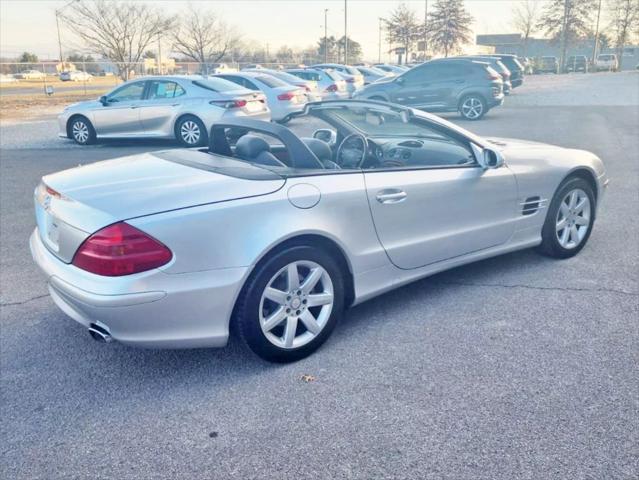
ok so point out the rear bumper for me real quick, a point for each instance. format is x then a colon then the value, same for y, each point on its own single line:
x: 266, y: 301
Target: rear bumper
x: 151, y: 309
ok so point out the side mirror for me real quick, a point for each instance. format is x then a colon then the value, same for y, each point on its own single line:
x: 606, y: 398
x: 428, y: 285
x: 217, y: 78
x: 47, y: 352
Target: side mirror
x: 103, y: 100
x: 487, y: 157
x: 492, y: 158
x: 326, y: 135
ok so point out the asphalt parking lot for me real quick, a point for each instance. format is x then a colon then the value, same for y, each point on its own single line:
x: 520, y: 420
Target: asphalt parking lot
x: 515, y: 367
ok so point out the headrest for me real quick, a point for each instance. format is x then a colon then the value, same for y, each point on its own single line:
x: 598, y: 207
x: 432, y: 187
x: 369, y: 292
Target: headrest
x: 319, y: 148
x: 250, y: 146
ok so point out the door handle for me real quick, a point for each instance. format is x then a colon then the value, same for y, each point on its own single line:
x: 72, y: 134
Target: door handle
x: 392, y: 195
x: 134, y: 107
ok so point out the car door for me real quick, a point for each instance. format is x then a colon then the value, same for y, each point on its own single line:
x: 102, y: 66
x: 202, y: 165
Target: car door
x: 121, y: 114
x: 415, y: 88
x: 162, y: 101
x: 439, y: 204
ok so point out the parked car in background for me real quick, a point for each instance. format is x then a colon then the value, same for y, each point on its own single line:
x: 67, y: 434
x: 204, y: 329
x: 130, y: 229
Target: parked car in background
x: 470, y: 87
x: 30, y: 75
x: 576, y: 63
x: 515, y: 67
x: 273, y: 240
x: 75, y: 76
x: 354, y: 79
x: 283, y: 98
x: 372, y: 74
x: 7, y: 78
x: 161, y: 107
x: 396, y: 69
x: 496, y: 65
x: 214, y: 68
x: 547, y: 64
x: 606, y: 62
x: 330, y: 84
x: 310, y: 86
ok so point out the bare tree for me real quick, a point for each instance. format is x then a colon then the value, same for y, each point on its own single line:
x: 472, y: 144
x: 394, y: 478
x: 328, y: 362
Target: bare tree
x: 525, y: 20
x: 203, y: 37
x: 625, y: 17
x: 403, y: 28
x: 567, y: 21
x: 449, y: 26
x: 119, y: 31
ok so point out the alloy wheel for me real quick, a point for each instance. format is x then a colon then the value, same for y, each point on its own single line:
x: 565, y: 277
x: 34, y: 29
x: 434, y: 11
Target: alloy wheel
x: 296, y: 304
x: 472, y: 108
x: 573, y: 219
x: 80, y: 131
x: 190, y: 132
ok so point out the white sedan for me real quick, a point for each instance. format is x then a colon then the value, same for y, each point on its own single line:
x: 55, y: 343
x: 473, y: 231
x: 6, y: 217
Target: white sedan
x: 283, y: 99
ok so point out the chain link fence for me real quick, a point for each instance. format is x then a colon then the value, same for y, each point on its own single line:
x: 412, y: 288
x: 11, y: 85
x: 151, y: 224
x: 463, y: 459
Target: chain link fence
x: 47, y: 78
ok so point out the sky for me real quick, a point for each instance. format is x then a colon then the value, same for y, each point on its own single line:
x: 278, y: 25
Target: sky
x: 29, y: 25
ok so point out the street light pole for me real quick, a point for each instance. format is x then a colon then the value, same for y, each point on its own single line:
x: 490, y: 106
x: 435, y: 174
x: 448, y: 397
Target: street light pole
x: 594, y: 50
x: 57, y: 24
x: 379, y: 53
x: 345, y: 32
x: 325, y: 36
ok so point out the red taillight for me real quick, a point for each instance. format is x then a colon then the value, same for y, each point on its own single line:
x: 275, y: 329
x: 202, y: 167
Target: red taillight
x: 286, y: 96
x: 331, y: 88
x: 228, y: 103
x: 120, y: 249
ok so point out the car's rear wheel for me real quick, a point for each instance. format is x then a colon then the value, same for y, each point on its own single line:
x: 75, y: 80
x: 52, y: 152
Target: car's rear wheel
x: 291, y: 304
x: 570, y: 218
x: 472, y: 107
x: 81, y: 130
x: 191, y: 132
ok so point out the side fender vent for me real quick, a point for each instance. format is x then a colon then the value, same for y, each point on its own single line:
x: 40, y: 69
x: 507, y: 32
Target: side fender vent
x: 532, y: 205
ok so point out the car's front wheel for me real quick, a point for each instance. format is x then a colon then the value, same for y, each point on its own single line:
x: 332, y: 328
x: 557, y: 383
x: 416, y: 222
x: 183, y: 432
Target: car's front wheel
x: 81, y: 131
x: 570, y: 218
x: 191, y: 132
x: 472, y: 107
x: 291, y: 304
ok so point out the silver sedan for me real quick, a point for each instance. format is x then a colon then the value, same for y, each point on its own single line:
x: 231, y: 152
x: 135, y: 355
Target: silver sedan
x: 177, y: 107
x: 278, y: 233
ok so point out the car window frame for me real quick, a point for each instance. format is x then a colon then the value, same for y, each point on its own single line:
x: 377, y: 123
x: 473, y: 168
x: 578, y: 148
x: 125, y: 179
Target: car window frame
x: 127, y: 85
x: 147, y: 89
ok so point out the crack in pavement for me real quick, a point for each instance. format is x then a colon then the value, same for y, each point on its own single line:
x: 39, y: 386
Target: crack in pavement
x: 11, y: 304
x: 462, y: 284
x: 532, y: 287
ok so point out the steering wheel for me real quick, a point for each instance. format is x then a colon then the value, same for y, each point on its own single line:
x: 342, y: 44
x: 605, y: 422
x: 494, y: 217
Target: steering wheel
x: 352, y: 152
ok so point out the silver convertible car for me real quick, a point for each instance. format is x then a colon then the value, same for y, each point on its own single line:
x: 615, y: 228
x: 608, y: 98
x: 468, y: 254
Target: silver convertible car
x: 276, y: 234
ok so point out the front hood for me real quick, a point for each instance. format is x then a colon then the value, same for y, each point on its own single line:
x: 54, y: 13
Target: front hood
x: 526, y: 154
x: 87, y: 104
x: 149, y: 183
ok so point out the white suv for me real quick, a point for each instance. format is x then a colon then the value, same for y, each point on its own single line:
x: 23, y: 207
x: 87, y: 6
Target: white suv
x: 606, y: 61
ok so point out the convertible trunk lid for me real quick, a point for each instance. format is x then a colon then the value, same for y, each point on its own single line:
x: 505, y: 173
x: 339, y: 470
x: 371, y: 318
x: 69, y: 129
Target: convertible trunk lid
x: 72, y: 204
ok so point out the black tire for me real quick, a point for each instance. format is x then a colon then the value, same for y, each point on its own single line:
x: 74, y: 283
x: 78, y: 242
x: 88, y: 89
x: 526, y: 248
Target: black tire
x: 550, y: 245
x: 193, y: 123
x: 80, y: 130
x: 473, y: 98
x: 247, y: 312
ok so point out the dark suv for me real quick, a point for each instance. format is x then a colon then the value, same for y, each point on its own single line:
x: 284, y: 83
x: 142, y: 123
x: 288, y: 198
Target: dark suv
x: 444, y: 85
x: 496, y: 65
x: 514, y: 65
x: 576, y: 63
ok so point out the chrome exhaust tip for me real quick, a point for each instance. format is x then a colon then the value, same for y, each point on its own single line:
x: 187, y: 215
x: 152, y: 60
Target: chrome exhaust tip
x: 100, y: 334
